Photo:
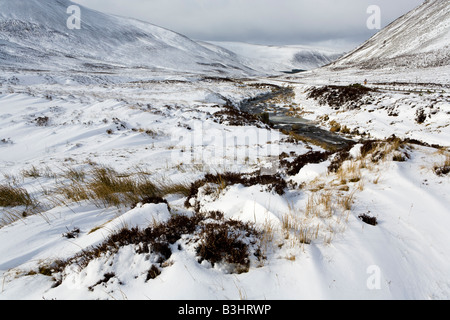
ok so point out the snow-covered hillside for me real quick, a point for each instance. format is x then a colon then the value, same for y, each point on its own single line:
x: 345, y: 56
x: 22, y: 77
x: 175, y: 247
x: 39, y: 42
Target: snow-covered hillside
x: 419, y: 39
x: 34, y: 35
x: 276, y: 58
x: 129, y: 169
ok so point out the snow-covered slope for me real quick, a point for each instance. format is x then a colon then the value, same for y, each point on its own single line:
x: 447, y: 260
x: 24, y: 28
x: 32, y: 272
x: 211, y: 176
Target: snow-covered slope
x: 56, y: 136
x: 34, y: 35
x: 120, y: 187
x: 276, y: 58
x: 419, y: 39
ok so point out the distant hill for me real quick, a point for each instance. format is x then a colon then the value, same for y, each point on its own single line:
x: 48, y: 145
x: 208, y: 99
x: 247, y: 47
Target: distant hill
x: 275, y: 58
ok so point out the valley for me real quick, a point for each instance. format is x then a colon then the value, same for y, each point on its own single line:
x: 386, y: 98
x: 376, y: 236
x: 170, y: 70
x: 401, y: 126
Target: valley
x: 177, y: 170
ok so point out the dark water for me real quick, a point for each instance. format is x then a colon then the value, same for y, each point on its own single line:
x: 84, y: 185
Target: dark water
x: 299, y: 126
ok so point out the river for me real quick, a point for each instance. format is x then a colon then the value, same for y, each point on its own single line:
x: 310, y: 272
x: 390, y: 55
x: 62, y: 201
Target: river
x: 301, y: 127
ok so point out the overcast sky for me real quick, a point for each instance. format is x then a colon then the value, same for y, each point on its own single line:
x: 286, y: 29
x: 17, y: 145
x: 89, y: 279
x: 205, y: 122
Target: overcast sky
x: 321, y: 22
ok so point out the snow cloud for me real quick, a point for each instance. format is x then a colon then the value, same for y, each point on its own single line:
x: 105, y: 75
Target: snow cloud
x: 331, y: 22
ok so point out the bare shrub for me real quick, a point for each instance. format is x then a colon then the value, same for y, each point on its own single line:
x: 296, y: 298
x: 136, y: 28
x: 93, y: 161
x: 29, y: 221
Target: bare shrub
x: 420, y: 116
x: 443, y: 168
x: 42, y: 121
x: 222, y: 180
x: 216, y: 240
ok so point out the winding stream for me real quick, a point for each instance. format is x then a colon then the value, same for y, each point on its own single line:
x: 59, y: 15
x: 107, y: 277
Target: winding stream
x: 300, y: 126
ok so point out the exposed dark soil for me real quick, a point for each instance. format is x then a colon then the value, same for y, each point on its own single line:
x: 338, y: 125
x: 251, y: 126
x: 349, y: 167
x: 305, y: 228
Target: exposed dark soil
x: 368, y: 219
x: 232, y: 116
x: 294, y: 167
x: 339, y: 96
x: 339, y: 158
x: 272, y: 182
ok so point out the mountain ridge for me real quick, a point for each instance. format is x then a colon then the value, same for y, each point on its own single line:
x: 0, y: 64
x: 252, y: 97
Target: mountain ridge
x: 34, y: 36
x: 34, y: 33
x: 418, y: 39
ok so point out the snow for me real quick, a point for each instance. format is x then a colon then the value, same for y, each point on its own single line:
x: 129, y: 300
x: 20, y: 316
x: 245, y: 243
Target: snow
x: 409, y: 246
x: 276, y: 59
x: 103, y: 42
x: 392, y: 112
x: 418, y: 39
x: 161, y: 124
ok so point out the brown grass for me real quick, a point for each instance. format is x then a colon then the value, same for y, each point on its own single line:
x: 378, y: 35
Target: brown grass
x: 346, y: 201
x: 32, y: 172
x: 349, y: 172
x: 443, y: 168
x: 294, y: 226
x: 13, y: 196
x: 105, y: 187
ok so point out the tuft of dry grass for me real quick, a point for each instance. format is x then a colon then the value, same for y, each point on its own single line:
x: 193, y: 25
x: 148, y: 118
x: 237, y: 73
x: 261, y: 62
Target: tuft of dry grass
x: 377, y: 179
x: 17, y: 204
x: 295, y: 226
x: 346, y: 201
x: 32, y: 172
x: 393, y: 148
x: 350, y: 171
x: 181, y: 188
x: 443, y: 168
x: 267, y: 236
x: 320, y: 204
x: 14, y: 196
x: 73, y: 174
x: 74, y: 192
x: 105, y: 187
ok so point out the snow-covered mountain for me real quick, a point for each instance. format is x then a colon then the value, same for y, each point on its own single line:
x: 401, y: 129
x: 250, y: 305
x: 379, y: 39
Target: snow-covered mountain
x: 419, y: 39
x: 159, y: 190
x: 276, y: 58
x: 34, y: 35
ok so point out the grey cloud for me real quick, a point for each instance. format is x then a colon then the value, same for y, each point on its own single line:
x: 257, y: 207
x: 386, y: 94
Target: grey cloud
x: 261, y: 21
